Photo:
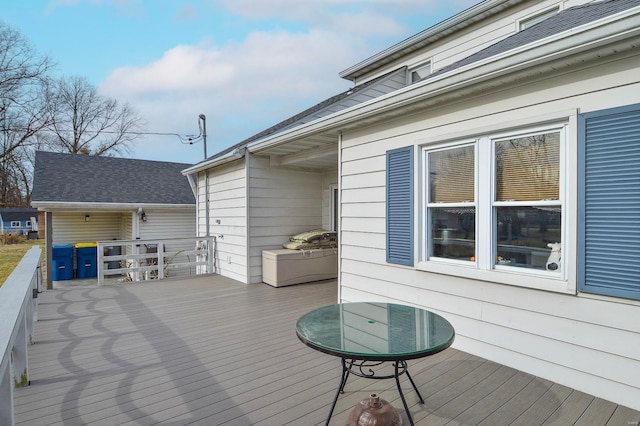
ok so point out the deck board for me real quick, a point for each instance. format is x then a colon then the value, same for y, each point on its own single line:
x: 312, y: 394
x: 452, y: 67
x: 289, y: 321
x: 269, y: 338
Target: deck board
x: 211, y: 351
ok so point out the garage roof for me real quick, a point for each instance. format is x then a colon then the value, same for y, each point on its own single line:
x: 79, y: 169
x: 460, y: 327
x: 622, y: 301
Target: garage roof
x: 77, y: 178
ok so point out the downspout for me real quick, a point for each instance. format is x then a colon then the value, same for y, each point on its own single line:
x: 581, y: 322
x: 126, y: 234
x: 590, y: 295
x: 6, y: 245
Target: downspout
x: 206, y: 201
x: 339, y: 224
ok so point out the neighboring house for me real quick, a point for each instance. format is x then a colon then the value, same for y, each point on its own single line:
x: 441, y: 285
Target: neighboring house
x: 89, y: 199
x: 18, y: 220
x: 498, y: 185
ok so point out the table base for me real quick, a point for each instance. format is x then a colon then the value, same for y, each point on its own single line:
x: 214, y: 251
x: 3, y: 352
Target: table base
x: 363, y: 369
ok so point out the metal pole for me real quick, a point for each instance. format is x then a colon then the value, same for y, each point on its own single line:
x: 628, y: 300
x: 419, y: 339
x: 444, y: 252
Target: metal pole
x: 206, y: 174
x: 204, y: 133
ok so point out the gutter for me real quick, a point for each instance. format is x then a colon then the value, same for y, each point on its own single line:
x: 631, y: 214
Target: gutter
x: 47, y: 206
x: 234, y: 155
x: 589, y: 37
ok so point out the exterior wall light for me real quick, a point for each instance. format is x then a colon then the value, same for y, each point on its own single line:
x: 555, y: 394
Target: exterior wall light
x: 87, y: 217
x: 142, y: 215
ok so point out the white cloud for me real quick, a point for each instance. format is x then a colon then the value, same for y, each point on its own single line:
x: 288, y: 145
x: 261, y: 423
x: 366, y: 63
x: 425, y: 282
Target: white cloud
x: 244, y: 87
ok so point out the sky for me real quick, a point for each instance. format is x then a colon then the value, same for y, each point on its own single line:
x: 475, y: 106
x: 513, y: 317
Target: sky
x: 245, y: 64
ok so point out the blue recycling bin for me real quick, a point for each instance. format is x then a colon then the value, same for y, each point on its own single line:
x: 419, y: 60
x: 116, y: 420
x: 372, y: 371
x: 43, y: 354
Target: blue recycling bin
x: 87, y: 260
x: 62, y: 262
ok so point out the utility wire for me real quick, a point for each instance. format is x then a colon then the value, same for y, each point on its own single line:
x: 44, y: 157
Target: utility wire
x: 185, y: 139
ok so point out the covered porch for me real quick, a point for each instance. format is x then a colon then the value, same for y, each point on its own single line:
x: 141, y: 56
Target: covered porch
x: 212, y: 351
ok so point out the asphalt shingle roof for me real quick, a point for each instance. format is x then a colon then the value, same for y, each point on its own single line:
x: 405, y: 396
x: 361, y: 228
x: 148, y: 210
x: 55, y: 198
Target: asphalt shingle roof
x: 11, y: 213
x: 563, y: 21
x: 299, y: 118
x: 77, y: 178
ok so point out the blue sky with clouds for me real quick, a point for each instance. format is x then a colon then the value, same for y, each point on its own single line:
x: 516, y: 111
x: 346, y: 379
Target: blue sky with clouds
x: 245, y: 64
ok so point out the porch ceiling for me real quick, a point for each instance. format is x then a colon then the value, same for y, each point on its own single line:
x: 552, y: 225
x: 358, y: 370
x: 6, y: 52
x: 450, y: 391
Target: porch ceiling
x: 316, y: 152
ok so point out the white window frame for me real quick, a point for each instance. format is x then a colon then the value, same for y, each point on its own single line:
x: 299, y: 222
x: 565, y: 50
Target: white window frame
x: 15, y: 224
x: 418, y: 67
x: 427, y: 234
x: 484, y: 267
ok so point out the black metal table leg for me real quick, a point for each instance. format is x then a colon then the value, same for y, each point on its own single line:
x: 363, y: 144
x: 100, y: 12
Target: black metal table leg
x: 415, y: 388
x: 404, y: 401
x: 343, y: 382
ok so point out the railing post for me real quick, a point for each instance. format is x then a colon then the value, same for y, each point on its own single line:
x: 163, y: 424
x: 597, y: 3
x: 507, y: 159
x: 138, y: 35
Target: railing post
x: 100, y: 264
x: 211, y: 251
x: 6, y: 388
x: 18, y: 308
x: 136, y: 262
x: 19, y: 355
x: 160, y: 260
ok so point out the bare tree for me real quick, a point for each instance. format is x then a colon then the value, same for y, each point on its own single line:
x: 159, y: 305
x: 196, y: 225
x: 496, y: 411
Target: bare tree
x: 23, y: 109
x: 85, y: 122
x: 36, y: 112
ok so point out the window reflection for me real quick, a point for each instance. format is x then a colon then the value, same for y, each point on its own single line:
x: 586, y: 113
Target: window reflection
x: 454, y: 233
x: 524, y: 235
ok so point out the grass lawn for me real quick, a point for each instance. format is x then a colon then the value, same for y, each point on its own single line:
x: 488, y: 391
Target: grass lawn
x: 11, y: 254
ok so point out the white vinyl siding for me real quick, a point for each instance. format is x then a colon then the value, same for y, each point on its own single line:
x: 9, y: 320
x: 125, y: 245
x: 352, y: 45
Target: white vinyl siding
x: 587, y: 342
x: 168, y: 223
x: 470, y: 40
x: 538, y: 17
x: 282, y: 202
x: 71, y: 228
x: 227, y: 217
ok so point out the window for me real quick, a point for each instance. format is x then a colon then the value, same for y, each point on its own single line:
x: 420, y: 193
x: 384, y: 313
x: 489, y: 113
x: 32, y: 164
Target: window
x: 527, y: 208
x: 609, y: 198
x: 418, y: 73
x: 509, y: 187
x: 528, y: 22
x: 451, y: 208
x: 15, y: 223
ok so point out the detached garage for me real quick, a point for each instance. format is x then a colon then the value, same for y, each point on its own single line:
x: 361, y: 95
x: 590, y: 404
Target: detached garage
x: 88, y: 199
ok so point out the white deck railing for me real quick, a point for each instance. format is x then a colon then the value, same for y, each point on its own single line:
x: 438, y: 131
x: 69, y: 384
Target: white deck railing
x: 18, y: 311
x: 139, y: 260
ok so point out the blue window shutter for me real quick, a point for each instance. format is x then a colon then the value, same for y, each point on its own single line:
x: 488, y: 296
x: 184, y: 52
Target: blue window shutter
x: 609, y: 202
x: 400, y: 206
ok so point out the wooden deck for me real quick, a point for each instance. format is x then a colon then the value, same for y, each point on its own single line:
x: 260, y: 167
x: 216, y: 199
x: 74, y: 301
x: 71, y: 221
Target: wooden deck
x: 211, y: 351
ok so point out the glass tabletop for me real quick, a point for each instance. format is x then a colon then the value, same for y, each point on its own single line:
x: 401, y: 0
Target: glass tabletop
x: 375, y: 331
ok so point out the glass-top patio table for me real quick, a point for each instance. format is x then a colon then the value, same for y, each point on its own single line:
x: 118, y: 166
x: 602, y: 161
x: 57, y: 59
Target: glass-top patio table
x: 366, y: 335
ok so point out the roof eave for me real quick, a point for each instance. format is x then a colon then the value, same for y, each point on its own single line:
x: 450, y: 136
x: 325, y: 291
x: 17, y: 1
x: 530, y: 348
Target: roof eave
x: 81, y: 206
x: 607, y: 31
x: 214, y: 162
x: 432, y: 34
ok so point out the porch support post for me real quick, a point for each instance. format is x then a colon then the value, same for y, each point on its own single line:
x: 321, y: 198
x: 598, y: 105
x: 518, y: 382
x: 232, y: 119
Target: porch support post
x: 48, y: 221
